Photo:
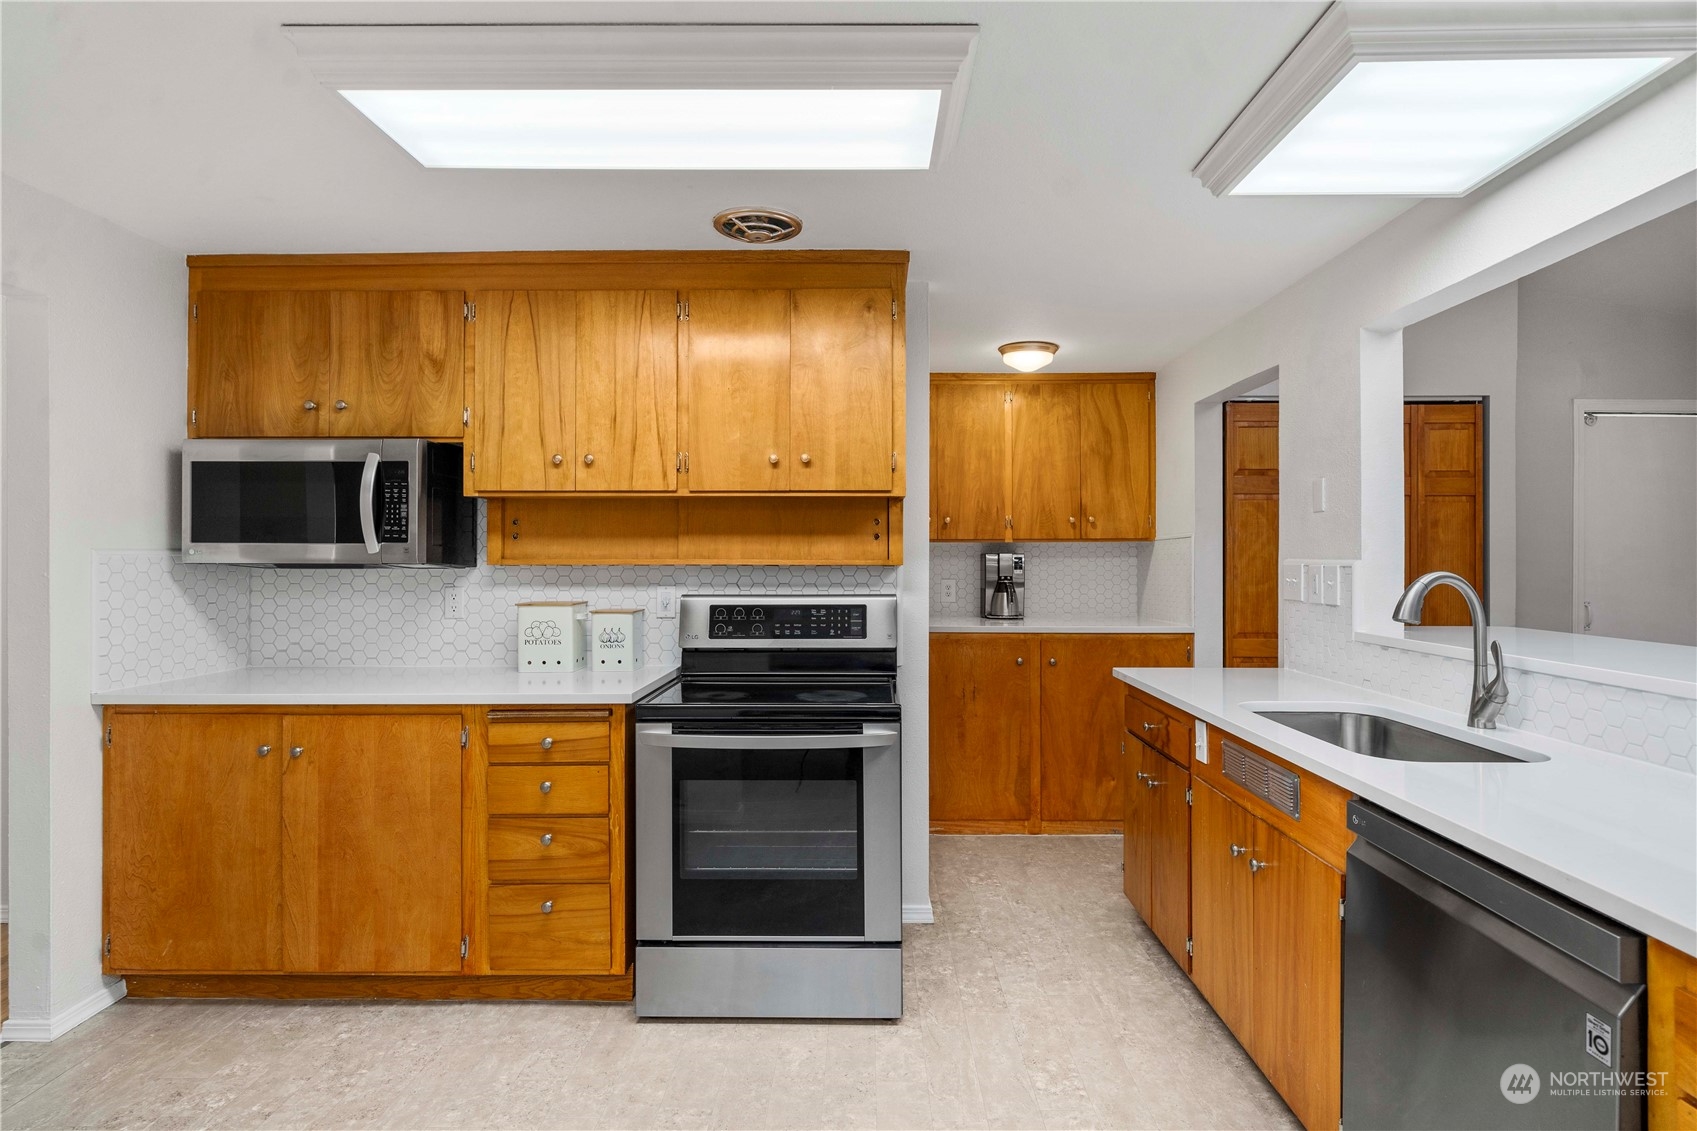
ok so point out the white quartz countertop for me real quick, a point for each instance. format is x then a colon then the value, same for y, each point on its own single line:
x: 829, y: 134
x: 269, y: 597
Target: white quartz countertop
x: 1615, y: 834
x: 1103, y: 624
x: 394, y: 686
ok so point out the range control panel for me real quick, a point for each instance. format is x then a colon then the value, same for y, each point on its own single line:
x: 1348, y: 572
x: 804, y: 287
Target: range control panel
x: 786, y: 622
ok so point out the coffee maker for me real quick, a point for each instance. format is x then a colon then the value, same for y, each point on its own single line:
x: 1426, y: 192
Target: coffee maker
x: 1004, y: 587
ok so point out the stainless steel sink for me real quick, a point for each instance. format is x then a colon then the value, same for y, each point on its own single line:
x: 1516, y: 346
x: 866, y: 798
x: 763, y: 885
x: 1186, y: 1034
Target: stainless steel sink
x: 1379, y: 737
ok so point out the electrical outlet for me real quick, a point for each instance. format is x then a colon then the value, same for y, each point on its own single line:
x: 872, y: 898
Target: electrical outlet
x: 668, y: 604
x: 1329, y: 587
x: 1293, y: 579
x: 951, y: 590
x: 1314, y: 578
x: 453, y: 603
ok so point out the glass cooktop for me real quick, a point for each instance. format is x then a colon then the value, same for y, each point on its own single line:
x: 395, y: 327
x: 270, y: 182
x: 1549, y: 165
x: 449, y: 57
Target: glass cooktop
x: 775, y: 693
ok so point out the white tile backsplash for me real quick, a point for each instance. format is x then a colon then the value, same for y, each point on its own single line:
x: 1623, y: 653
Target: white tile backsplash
x: 156, y: 618
x: 1319, y: 639
x: 1062, y: 579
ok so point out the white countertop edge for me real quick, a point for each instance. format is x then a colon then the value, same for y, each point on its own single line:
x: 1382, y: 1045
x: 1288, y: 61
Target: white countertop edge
x: 1516, y: 656
x: 391, y: 686
x: 1058, y: 625
x: 1331, y: 763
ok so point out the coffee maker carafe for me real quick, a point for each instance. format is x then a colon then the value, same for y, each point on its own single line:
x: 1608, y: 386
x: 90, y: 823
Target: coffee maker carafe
x: 1004, y: 587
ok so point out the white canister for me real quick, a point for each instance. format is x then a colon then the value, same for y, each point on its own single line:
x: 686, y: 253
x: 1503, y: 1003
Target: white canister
x: 553, y: 636
x: 615, y: 639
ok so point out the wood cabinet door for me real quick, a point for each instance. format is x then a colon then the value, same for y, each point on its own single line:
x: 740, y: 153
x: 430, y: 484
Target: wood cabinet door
x: 1220, y: 913
x: 1252, y: 535
x: 400, y: 364
x: 969, y: 462
x: 842, y: 390
x: 524, y: 365
x: 1296, y: 937
x: 737, y: 390
x: 193, y: 843
x: 371, y: 843
x: 1044, y: 450
x: 1116, y: 443
x: 627, y: 391
x: 1445, y: 501
x: 983, y: 714
x: 1137, y: 842
x: 264, y: 362
x: 1167, y: 828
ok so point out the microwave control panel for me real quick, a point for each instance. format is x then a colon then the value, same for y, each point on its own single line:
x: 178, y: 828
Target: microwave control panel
x: 787, y: 622
x: 392, y: 503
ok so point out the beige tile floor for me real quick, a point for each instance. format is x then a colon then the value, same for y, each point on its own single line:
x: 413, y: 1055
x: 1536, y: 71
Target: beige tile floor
x: 1036, y: 1000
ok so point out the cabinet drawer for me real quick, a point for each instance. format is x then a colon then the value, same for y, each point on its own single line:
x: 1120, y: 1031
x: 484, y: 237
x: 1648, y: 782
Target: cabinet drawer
x: 550, y: 928
x: 554, y: 790
x: 550, y: 739
x: 1166, y: 733
x: 561, y: 849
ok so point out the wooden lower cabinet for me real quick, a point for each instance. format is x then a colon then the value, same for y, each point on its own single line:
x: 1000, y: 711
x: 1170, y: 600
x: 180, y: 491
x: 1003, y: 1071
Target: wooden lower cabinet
x: 1157, y: 844
x: 1221, y: 962
x: 1673, y: 1038
x: 1026, y: 728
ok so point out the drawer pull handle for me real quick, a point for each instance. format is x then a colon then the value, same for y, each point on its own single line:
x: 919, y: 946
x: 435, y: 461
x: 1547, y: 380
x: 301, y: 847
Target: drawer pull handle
x: 547, y: 839
x: 1147, y: 727
x: 547, y: 907
x: 264, y: 750
x: 547, y: 787
x: 1256, y: 865
x: 1238, y: 850
x: 296, y: 751
x: 547, y: 744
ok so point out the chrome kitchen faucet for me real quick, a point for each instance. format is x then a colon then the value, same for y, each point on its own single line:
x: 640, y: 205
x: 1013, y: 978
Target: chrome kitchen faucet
x: 1488, y: 697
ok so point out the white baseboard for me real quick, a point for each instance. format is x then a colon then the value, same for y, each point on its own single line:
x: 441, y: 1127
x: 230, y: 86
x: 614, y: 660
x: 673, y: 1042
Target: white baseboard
x: 52, y: 1028
x: 917, y: 913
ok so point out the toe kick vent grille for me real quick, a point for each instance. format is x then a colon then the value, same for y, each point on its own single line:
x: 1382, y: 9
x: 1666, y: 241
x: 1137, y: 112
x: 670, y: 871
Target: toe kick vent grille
x: 1272, y: 783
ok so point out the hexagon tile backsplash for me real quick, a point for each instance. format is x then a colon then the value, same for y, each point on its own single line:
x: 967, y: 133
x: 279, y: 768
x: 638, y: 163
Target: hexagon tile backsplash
x: 156, y: 619
x: 1319, y: 639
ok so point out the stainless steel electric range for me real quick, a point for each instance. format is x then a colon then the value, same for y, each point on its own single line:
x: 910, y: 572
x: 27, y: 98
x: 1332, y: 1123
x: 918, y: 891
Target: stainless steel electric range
x: 768, y: 813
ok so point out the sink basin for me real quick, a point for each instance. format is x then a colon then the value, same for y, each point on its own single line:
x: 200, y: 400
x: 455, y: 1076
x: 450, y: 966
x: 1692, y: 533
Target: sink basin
x: 1379, y: 737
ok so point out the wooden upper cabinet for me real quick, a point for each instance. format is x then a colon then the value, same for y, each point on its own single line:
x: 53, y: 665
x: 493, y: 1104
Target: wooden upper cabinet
x: 969, y: 461
x: 736, y: 366
x: 627, y: 391
x: 400, y: 365
x: 1116, y: 447
x: 1044, y: 449
x: 524, y: 365
x: 842, y: 390
x: 264, y: 362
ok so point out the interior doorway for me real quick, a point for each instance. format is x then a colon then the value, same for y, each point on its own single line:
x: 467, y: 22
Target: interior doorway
x: 1444, y: 463
x: 1251, y: 573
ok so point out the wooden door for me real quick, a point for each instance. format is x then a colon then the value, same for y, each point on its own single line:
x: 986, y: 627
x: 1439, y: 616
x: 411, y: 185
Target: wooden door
x: 984, y: 691
x: 1137, y: 844
x: 524, y: 364
x: 842, y: 390
x: 264, y: 362
x: 1221, y: 960
x: 1083, y: 720
x: 371, y: 843
x: 1167, y: 829
x: 1116, y: 443
x: 969, y: 462
x: 193, y: 843
x: 1044, y: 450
x: 627, y: 391
x: 400, y: 364
x: 737, y: 390
x: 1252, y: 535
x: 1297, y: 940
x: 1445, y: 460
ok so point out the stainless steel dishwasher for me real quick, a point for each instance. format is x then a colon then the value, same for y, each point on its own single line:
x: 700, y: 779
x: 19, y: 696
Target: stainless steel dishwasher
x: 1475, y: 998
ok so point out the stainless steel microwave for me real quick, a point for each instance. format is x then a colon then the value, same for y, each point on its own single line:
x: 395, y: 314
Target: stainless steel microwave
x: 329, y: 502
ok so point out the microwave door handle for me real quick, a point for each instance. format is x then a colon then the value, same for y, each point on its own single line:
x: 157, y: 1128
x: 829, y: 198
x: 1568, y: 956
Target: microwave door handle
x: 872, y: 738
x: 368, y: 501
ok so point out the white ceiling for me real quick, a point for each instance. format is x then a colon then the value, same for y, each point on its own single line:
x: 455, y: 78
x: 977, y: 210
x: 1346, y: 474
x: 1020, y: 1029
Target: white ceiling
x: 1066, y: 210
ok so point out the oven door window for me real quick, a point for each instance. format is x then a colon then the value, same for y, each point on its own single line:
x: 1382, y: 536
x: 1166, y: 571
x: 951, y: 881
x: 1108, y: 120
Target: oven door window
x: 767, y: 843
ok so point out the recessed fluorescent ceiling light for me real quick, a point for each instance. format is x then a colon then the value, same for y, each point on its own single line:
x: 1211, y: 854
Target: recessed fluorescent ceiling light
x: 658, y: 129
x: 1436, y: 127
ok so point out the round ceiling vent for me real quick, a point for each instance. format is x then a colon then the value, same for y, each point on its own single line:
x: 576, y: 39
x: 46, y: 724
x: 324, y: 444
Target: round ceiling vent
x: 757, y: 225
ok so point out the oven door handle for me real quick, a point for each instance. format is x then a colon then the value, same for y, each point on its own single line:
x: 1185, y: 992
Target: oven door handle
x: 661, y: 735
x: 368, y: 501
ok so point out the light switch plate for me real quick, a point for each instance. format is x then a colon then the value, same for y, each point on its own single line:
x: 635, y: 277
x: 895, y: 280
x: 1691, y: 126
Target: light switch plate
x: 1314, y: 580
x: 667, y: 608
x: 950, y: 591
x: 1329, y: 584
x: 1291, y: 584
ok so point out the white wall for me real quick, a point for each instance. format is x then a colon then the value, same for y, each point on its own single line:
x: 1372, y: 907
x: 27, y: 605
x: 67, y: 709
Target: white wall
x: 115, y: 310
x: 1470, y: 351
x: 913, y: 681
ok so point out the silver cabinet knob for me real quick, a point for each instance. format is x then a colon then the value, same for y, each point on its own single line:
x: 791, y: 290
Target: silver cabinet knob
x: 1238, y: 850
x: 558, y: 459
x: 1151, y: 782
x: 588, y: 459
x: 547, y: 839
x: 1072, y: 520
x: 1091, y: 519
x: 1019, y: 661
x: 264, y: 750
x: 310, y: 406
x: 547, y: 787
x: 547, y: 744
x: 772, y: 459
x: 547, y: 907
x: 947, y: 520
x: 1053, y: 661
x: 1141, y: 776
x: 341, y: 406
x: 296, y: 751
x: 1147, y: 727
x: 806, y: 459
x: 1256, y: 865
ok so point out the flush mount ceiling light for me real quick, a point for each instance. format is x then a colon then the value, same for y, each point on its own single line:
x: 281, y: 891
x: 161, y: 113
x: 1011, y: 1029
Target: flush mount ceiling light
x: 1028, y: 357
x: 1434, y: 100
x: 652, y: 96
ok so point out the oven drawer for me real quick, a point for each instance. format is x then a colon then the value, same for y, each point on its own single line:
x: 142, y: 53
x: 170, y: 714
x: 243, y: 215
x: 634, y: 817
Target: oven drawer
x: 550, y: 928
x: 549, y: 738
x: 562, y: 849
x: 551, y: 790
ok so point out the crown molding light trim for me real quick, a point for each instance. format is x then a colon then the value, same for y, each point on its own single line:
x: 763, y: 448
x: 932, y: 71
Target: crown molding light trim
x: 647, y: 57
x: 1351, y: 31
